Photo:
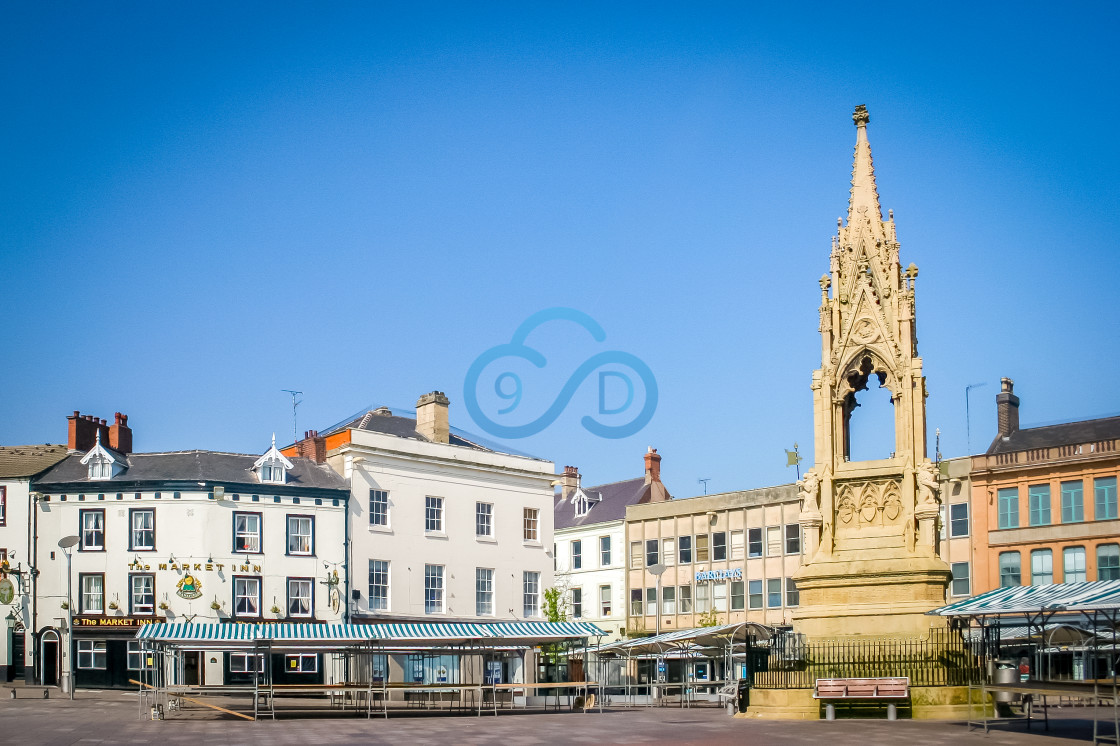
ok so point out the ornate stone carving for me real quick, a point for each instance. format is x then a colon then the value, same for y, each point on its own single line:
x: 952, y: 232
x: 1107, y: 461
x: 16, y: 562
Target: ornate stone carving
x: 869, y: 503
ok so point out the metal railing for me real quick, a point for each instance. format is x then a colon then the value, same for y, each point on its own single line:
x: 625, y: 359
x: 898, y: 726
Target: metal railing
x: 943, y: 659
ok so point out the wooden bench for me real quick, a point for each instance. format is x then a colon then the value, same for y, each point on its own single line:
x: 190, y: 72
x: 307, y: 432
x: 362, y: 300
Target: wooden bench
x: 886, y: 688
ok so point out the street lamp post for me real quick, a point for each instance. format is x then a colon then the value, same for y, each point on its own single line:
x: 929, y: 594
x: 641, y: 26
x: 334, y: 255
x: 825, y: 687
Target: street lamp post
x: 657, y: 570
x: 67, y: 543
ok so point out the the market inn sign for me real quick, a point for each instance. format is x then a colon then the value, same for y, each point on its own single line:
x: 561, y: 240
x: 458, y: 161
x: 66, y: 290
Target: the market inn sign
x: 116, y: 621
x: 196, y: 566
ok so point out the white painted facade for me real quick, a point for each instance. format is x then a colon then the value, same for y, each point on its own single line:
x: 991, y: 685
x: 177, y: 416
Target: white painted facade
x: 14, y: 548
x: 218, y: 552
x: 428, y: 529
x: 595, y: 580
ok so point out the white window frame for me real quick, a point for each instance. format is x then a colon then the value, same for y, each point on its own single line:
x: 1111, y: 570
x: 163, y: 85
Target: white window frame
x: 484, y: 519
x: 92, y: 532
x: 142, y: 594
x: 136, y: 657
x: 433, y: 514
x: 531, y: 525
x: 247, y: 590
x: 305, y: 593
x: 434, y: 601
x: 484, y: 591
x: 242, y: 663
x: 379, y: 596
x: 137, y: 533
x: 604, y: 551
x: 379, y: 508
x: 91, y: 653
x: 577, y: 554
x: 606, y: 601
x: 250, y: 534
x: 85, y: 607
x: 301, y: 535
x: 577, y: 603
x: 304, y: 663
x: 531, y: 594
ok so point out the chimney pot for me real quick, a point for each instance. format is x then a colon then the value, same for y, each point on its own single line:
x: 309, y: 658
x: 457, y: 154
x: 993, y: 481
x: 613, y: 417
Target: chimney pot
x: 1007, y: 409
x: 431, y: 417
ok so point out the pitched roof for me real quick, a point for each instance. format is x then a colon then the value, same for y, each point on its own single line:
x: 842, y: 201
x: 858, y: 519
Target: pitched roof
x: 27, y: 461
x: 1050, y: 436
x: 195, y: 466
x: 381, y: 421
x: 612, y: 501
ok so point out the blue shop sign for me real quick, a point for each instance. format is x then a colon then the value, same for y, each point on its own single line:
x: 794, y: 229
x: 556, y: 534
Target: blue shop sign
x: 734, y: 574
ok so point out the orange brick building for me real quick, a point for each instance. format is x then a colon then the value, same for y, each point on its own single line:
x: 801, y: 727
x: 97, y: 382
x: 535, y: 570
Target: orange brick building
x: 1044, y: 501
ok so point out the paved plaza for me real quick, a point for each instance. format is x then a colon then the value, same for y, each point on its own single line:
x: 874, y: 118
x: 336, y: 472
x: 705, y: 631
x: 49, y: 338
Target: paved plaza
x: 113, y: 717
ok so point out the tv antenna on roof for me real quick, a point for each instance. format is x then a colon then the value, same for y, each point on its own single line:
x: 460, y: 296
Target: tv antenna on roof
x: 704, y: 481
x: 295, y: 403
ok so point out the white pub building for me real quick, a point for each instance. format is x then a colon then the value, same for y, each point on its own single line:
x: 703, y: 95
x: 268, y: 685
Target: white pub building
x: 126, y: 539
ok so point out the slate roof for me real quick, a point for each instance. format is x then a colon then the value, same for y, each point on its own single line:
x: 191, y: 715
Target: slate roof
x: 401, y: 427
x: 27, y: 461
x: 1051, y: 436
x: 195, y: 466
x: 614, y: 498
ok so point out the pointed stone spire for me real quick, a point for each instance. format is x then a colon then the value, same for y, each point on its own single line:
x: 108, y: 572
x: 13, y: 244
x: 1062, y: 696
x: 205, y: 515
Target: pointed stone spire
x: 864, y: 201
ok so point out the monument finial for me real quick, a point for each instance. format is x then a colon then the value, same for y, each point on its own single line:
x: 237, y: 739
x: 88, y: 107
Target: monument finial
x: 865, y: 197
x: 860, y: 116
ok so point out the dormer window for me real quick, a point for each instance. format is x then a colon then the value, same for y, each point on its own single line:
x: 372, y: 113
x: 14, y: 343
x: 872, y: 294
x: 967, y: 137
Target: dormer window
x: 272, y: 467
x: 272, y: 471
x: 584, y: 502
x: 582, y: 506
x: 101, y: 463
x: 100, y: 468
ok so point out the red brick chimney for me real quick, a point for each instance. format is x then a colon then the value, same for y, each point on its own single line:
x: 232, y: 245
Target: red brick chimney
x: 1007, y: 408
x: 120, y: 434
x: 653, y: 465
x: 657, y: 491
x: 313, y: 446
x: 83, y: 430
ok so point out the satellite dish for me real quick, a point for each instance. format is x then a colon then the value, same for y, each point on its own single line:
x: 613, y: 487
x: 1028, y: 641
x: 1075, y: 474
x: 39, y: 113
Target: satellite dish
x: 67, y: 541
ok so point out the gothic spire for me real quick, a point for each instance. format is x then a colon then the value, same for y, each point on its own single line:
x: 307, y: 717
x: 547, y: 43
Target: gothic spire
x: 865, y: 197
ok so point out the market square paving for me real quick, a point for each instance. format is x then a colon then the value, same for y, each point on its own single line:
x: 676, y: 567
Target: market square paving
x: 113, y: 718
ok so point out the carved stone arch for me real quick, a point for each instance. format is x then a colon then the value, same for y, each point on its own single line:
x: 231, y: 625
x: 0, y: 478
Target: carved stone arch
x: 857, y: 372
x: 864, y: 366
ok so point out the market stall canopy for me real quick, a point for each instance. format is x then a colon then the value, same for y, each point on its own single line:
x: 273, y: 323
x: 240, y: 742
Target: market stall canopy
x: 685, y: 639
x: 1097, y: 595
x: 285, y: 634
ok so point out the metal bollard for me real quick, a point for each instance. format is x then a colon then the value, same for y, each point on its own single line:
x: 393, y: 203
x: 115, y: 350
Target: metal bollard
x: 892, y: 712
x: 46, y: 694
x: 830, y: 712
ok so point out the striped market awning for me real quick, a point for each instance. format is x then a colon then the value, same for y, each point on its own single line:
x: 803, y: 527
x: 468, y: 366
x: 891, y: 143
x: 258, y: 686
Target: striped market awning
x: 342, y: 634
x: 1098, y: 595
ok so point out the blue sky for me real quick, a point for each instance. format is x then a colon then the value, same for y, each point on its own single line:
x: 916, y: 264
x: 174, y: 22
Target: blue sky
x: 201, y: 205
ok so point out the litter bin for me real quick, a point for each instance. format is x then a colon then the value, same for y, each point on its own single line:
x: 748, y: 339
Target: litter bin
x: 744, y: 695
x: 1007, y: 672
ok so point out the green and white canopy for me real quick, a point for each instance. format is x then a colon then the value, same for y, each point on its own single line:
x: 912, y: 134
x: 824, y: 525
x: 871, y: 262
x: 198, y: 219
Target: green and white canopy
x: 343, y: 635
x: 1087, y: 597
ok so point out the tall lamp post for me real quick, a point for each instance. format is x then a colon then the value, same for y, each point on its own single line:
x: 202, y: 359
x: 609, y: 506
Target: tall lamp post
x: 657, y: 570
x: 67, y: 544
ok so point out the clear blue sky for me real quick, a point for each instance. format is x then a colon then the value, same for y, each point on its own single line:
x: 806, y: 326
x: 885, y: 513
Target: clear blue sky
x: 203, y: 204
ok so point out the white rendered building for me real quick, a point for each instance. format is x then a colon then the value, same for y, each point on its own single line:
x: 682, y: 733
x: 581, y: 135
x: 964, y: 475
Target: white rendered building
x: 591, y: 544
x: 442, y: 527
x: 187, y: 536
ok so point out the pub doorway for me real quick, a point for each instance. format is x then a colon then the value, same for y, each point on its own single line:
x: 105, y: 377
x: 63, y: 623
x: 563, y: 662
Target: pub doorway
x: 49, y: 658
x: 192, y: 668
